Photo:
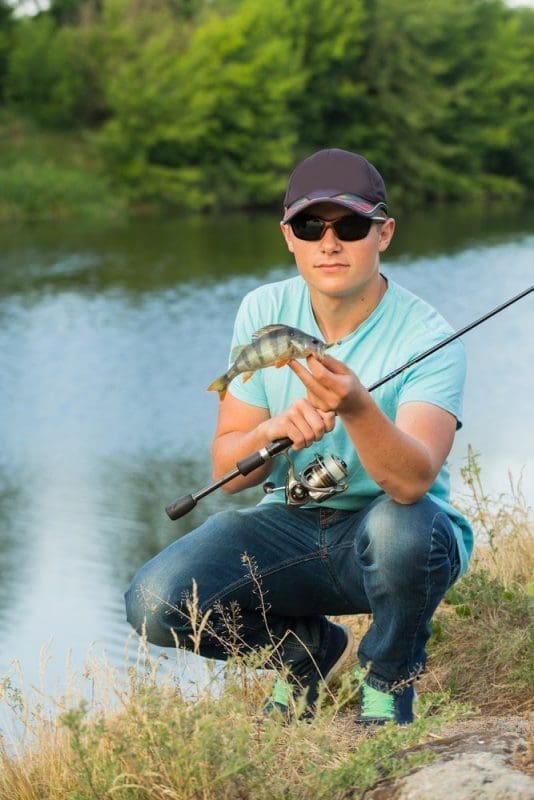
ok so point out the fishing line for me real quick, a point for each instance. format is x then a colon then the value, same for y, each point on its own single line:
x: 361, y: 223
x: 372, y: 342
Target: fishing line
x: 185, y: 504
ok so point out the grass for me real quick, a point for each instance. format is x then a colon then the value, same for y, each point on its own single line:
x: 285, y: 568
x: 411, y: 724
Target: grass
x: 51, y: 176
x: 152, y: 742
x: 144, y: 738
x: 482, y: 645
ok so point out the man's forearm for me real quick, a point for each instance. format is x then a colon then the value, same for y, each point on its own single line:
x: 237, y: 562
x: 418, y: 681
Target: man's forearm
x: 400, y: 464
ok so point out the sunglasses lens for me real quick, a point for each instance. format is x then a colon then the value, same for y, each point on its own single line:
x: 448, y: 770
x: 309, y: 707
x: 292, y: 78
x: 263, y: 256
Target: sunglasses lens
x: 349, y: 229
x: 308, y: 228
x: 353, y: 228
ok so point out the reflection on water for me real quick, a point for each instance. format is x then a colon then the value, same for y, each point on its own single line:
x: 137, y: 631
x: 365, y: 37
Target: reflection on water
x: 108, y: 339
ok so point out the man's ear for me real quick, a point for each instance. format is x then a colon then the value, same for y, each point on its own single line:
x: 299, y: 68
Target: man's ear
x: 286, y: 233
x: 387, y: 229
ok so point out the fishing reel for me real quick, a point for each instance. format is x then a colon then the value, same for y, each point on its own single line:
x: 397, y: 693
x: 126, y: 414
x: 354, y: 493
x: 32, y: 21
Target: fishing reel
x: 320, y: 479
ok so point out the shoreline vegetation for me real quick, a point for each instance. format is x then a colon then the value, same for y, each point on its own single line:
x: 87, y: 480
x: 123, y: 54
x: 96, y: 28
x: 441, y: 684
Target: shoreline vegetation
x: 114, y: 107
x: 144, y: 738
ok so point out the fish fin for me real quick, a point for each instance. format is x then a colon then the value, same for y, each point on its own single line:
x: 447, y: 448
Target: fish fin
x: 219, y: 385
x: 237, y: 350
x: 267, y: 329
x: 282, y: 363
x: 247, y: 376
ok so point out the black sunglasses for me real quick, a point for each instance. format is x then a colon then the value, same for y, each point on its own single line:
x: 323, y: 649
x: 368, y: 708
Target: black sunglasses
x: 349, y: 228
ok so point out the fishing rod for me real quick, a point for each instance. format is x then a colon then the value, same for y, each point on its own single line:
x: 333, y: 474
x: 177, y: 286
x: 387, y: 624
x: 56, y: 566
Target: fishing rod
x: 245, y: 466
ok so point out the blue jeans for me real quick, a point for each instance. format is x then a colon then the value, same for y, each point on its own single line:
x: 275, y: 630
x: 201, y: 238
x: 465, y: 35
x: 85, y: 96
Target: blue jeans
x: 268, y: 575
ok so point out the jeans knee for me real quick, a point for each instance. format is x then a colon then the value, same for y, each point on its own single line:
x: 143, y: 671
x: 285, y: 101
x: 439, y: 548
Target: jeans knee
x: 396, y: 537
x: 152, y: 615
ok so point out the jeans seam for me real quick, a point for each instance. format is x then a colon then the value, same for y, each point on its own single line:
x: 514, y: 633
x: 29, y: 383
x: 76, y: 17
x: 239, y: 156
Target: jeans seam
x: 327, y: 561
x: 427, y: 593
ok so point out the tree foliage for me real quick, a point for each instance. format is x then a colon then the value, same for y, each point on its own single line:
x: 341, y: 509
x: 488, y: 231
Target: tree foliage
x: 208, y: 103
x: 6, y: 28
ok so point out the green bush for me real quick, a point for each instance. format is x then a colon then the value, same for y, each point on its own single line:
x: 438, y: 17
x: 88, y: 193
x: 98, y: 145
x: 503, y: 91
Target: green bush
x: 30, y: 191
x: 54, y: 74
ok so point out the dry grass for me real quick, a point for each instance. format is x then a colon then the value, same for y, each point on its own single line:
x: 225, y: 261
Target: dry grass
x: 143, y: 738
x: 482, y: 648
x: 146, y: 740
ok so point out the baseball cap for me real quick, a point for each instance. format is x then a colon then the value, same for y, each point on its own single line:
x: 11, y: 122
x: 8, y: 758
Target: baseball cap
x: 337, y: 176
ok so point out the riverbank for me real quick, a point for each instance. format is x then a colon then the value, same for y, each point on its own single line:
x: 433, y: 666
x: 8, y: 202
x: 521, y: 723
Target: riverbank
x: 148, y: 739
x: 52, y: 176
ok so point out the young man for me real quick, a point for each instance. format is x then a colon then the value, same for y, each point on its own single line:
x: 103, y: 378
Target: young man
x: 390, y: 545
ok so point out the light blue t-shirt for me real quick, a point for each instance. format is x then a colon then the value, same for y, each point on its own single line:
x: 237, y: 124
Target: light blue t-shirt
x: 401, y: 327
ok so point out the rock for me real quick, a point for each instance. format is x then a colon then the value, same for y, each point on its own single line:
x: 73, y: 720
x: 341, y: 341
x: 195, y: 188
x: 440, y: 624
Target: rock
x: 473, y: 776
x: 473, y: 763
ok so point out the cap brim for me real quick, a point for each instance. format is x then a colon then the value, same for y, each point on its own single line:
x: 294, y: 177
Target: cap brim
x: 357, y: 204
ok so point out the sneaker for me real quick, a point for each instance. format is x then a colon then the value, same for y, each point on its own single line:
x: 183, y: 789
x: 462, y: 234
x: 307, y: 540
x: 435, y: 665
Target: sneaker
x: 279, y: 699
x: 377, y: 708
x: 340, y: 653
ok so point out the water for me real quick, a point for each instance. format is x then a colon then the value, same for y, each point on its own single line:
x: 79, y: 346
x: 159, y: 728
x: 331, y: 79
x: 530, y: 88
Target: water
x: 108, y: 339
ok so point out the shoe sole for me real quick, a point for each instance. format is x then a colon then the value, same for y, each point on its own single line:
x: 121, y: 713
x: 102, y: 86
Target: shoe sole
x: 346, y: 657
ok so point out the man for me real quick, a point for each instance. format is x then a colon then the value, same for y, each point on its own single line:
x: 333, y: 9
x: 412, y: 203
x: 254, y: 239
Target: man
x: 391, y: 544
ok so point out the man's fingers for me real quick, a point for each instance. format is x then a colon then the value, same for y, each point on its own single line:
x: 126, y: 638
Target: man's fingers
x: 305, y: 424
x: 329, y: 419
x: 329, y: 363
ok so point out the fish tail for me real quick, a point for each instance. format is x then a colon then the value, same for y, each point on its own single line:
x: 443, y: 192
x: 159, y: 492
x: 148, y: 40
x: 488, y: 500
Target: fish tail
x: 219, y: 385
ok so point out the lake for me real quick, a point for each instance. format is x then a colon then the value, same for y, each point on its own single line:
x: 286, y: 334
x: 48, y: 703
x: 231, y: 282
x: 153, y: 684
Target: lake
x: 108, y: 339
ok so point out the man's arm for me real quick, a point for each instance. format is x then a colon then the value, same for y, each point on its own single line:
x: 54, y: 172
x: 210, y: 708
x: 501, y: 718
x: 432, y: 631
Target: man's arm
x: 402, y: 457
x: 243, y: 428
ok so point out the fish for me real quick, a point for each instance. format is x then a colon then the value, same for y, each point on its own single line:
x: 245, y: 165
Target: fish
x: 271, y: 346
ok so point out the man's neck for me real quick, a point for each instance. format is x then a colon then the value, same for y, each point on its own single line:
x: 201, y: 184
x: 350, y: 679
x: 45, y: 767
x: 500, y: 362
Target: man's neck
x: 338, y: 317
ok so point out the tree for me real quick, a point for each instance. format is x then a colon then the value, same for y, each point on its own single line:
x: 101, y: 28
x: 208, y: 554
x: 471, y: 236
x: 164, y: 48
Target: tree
x: 201, y: 115
x: 328, y: 39
x: 53, y: 73
x: 6, y: 32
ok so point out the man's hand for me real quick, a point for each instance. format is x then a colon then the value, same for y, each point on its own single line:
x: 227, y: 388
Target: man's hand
x: 403, y: 456
x: 304, y: 422
x: 332, y: 386
x: 243, y: 428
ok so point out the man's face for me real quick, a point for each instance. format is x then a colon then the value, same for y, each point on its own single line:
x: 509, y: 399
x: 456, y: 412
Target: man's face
x: 335, y: 267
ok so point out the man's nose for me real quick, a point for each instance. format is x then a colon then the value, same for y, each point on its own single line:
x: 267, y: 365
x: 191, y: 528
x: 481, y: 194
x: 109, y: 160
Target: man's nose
x: 329, y: 240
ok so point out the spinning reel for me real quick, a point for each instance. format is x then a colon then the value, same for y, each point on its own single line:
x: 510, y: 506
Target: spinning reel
x: 320, y: 479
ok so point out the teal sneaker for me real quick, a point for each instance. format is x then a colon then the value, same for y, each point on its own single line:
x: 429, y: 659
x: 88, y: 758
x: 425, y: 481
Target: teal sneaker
x: 279, y: 699
x: 340, y: 654
x: 377, y: 708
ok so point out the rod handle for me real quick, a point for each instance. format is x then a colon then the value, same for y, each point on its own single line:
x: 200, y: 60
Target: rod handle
x: 181, y: 506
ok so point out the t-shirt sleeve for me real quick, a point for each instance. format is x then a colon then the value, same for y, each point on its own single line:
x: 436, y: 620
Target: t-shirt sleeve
x: 438, y: 379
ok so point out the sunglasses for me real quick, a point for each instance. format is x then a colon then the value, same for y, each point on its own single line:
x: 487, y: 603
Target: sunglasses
x: 350, y: 228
